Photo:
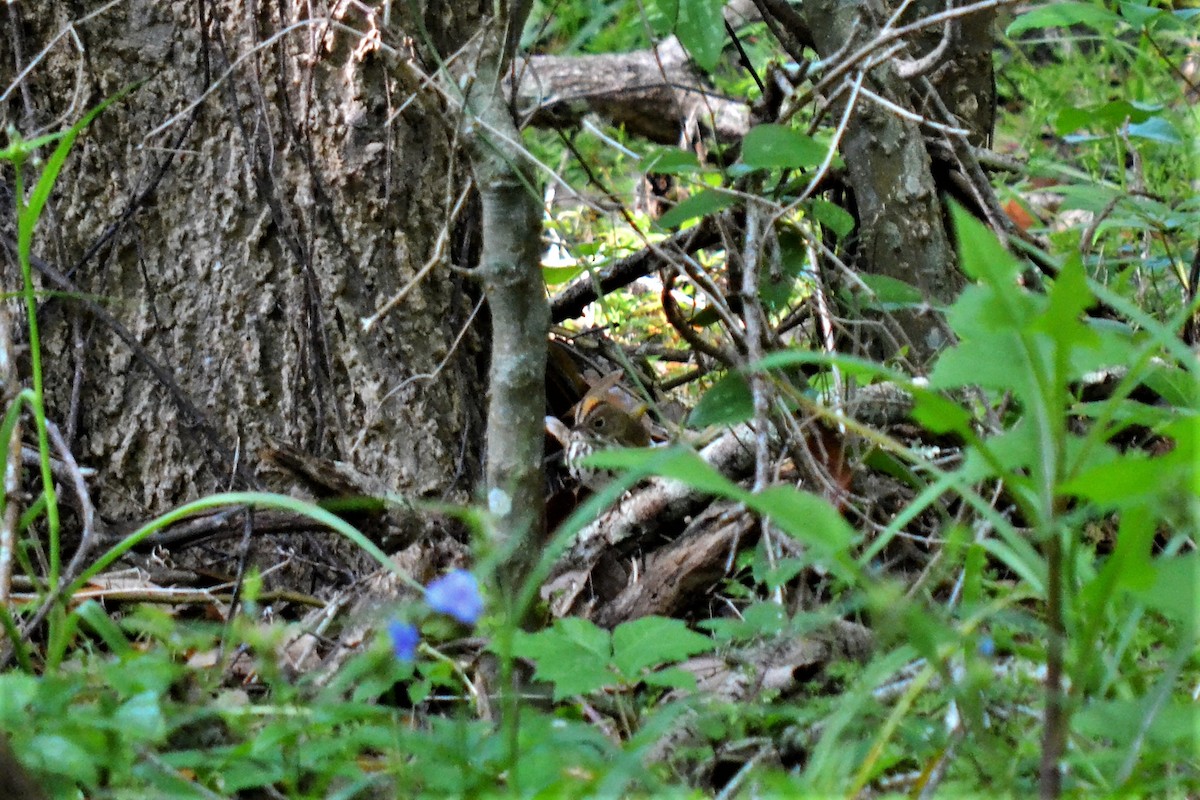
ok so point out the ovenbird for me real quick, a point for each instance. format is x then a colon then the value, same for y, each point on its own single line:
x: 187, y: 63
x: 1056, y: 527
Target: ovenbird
x: 599, y: 424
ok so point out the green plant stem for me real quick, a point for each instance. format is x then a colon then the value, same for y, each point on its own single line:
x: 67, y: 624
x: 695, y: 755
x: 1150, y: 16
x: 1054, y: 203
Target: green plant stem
x: 1054, y: 730
x: 14, y: 637
x: 254, y: 499
x: 27, y: 218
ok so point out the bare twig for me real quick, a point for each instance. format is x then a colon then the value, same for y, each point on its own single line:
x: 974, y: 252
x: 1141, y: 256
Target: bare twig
x: 436, y: 258
x: 87, y: 512
x: 757, y: 226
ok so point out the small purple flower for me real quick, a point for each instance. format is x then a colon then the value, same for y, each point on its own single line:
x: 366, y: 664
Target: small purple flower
x: 986, y: 647
x: 405, y: 638
x: 456, y: 594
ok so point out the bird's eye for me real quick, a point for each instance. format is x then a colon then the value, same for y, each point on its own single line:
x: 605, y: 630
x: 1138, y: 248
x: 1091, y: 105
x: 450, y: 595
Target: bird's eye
x: 598, y: 422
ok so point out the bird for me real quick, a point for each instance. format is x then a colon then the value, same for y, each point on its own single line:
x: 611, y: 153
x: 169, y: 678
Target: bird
x: 607, y: 416
x: 601, y: 424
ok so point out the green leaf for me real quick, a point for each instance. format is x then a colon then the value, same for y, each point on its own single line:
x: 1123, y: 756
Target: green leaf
x: 1069, y: 298
x: 1179, y: 388
x: 701, y: 30
x: 1108, y: 117
x: 554, y: 276
x: 891, y: 293
x: 676, y: 463
x: 1139, y: 14
x: 671, y: 678
x: 1124, y: 724
x: 1056, y: 15
x: 18, y: 692
x: 1133, y: 567
x: 995, y: 362
x: 650, y: 641
x: 93, y: 614
x: 981, y: 254
x: 573, y: 655
x: 780, y: 147
x: 1175, y: 589
x: 700, y: 204
x: 939, y: 414
x: 811, y: 520
x: 1156, y: 129
x: 832, y: 216
x: 141, y: 718
x: 672, y: 161
x: 864, y: 370
x: 727, y: 402
x: 59, y: 755
x: 1133, y: 478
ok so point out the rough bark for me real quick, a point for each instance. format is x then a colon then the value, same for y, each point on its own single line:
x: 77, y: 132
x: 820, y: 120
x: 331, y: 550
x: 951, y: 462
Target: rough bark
x: 274, y: 181
x: 900, y: 216
x: 964, y: 74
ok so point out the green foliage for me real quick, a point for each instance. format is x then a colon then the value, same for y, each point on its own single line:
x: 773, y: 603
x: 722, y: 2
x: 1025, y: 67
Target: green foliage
x: 698, y: 25
x: 781, y: 147
x: 578, y: 658
x: 1049, y: 500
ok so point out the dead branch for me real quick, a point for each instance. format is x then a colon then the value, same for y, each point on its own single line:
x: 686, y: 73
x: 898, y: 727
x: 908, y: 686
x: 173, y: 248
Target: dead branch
x: 648, y: 92
x: 571, y: 301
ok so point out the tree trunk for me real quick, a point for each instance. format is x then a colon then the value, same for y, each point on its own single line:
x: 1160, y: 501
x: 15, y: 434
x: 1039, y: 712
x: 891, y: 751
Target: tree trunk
x: 275, y: 180
x: 899, y: 211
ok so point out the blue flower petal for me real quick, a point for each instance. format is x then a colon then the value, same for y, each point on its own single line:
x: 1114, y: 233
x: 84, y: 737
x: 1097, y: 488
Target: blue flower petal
x: 457, y: 595
x: 405, y: 638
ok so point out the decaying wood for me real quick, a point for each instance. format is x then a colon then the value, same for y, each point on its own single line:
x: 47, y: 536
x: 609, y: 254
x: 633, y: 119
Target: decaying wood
x: 651, y: 93
x: 673, y: 576
x: 657, y: 504
x: 645, y: 556
x: 326, y: 637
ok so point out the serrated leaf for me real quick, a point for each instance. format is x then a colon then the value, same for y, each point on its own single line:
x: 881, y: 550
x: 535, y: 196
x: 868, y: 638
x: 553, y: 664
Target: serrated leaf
x: 773, y: 146
x: 998, y: 361
x: 708, y: 201
x: 650, y: 641
x: 981, y: 254
x: 573, y: 655
x: 726, y: 402
x: 1069, y: 297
